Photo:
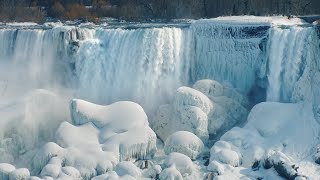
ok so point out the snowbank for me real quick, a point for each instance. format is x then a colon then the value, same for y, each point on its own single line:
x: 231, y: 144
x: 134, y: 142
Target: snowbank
x: 280, y: 135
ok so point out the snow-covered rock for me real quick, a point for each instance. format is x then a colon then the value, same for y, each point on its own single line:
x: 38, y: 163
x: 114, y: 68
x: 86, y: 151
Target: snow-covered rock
x: 209, y: 108
x: 119, y: 116
x: 170, y: 173
x: 51, y: 170
x: 5, y: 169
x: 128, y: 168
x: 181, y: 162
x: 277, y: 134
x: 103, y: 136
x: 71, y: 172
x: 19, y: 174
x: 122, y: 127
x: 184, y: 142
x: 222, y: 152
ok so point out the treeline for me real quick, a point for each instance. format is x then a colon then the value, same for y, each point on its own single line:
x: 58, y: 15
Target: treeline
x: 91, y: 10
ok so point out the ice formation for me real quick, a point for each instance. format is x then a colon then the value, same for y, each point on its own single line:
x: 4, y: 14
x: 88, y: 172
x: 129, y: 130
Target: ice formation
x: 184, y: 142
x: 181, y: 162
x: 273, y: 131
x: 210, y: 110
x: 206, y: 75
x: 122, y: 123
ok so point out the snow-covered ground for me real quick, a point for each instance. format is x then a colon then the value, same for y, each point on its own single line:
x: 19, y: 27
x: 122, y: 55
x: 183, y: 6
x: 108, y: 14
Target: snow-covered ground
x: 223, y: 98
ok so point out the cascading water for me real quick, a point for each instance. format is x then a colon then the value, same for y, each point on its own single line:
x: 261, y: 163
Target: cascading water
x: 288, y: 48
x: 229, y: 52
x: 146, y: 65
x: 36, y: 58
x: 143, y: 65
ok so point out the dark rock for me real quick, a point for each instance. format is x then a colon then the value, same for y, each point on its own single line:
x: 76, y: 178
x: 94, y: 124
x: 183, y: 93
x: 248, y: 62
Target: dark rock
x: 256, y: 166
x: 211, y: 175
x: 284, y: 171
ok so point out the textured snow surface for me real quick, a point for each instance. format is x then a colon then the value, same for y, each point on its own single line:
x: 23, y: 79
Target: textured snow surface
x: 211, y: 109
x: 194, y: 81
x: 185, y: 143
x: 280, y: 133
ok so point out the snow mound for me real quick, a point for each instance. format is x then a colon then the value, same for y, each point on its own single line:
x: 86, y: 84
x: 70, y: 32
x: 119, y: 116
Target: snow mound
x: 128, y: 168
x: 122, y: 127
x: 184, y: 142
x: 181, y: 162
x: 101, y: 137
x: 280, y: 135
x: 170, y: 173
x: 112, y: 115
x: 209, y: 108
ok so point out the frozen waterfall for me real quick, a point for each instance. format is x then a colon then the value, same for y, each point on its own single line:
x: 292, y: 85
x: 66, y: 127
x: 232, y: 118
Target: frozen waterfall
x: 146, y: 65
x: 143, y: 65
x: 288, y: 50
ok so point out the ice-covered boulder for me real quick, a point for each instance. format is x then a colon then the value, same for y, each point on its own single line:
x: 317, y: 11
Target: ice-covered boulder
x: 119, y: 116
x: 101, y: 137
x: 128, y: 168
x: 51, y: 170
x: 123, y: 127
x: 19, y: 174
x: 188, y: 112
x: 5, y: 169
x: 71, y: 172
x: 286, y: 130
x: 184, y: 142
x: 208, y: 108
x: 223, y: 152
x: 170, y: 173
x: 212, y: 88
x: 181, y: 162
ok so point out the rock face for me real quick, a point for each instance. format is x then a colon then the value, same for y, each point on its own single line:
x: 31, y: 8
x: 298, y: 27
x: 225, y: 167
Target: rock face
x: 208, y: 108
x: 184, y: 142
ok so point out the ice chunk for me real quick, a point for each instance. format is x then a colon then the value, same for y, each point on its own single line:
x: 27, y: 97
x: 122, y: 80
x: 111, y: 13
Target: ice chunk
x: 181, y: 162
x: 184, y: 142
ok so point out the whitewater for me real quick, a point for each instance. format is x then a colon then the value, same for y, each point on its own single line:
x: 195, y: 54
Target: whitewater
x: 223, y: 98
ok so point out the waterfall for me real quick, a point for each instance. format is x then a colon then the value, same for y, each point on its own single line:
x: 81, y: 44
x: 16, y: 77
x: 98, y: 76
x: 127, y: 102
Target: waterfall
x: 287, y: 50
x: 229, y: 52
x: 142, y: 65
x: 147, y: 65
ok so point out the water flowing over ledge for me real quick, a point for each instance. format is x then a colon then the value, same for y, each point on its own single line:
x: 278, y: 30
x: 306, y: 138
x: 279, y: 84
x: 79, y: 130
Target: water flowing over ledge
x: 146, y: 65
